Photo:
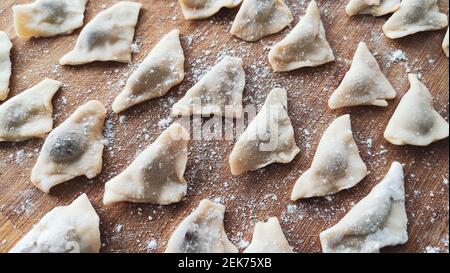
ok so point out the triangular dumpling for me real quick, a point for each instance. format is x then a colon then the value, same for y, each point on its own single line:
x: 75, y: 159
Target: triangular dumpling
x: 444, y: 44
x: 161, y: 70
x: 372, y: 7
x: 305, y: 46
x: 46, y: 18
x: 28, y: 114
x: 269, y: 138
x: 219, y: 92
x: 5, y: 65
x: 201, y: 9
x: 259, y: 18
x: 68, y: 229
x: 202, y: 232
x: 414, y: 16
x: 72, y: 149
x: 268, y: 237
x: 108, y: 37
x: 363, y: 84
x: 415, y: 121
x: 336, y: 165
x: 377, y: 221
x: 156, y: 175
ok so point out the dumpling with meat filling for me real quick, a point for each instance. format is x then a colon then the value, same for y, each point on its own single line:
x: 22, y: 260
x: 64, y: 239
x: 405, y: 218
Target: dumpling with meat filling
x: 201, y: 9
x: 372, y: 7
x: 445, y: 44
x: 268, y: 237
x: 5, y: 65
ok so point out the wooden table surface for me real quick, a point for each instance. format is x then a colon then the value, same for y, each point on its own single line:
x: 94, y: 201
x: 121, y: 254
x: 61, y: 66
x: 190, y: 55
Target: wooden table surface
x: 254, y: 196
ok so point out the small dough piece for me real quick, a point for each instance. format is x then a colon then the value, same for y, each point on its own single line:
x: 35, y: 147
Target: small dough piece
x: 305, y: 46
x: 268, y: 237
x: 415, y: 121
x: 161, y: 70
x: 415, y: 16
x: 156, y: 176
x: 377, y: 221
x: 47, y: 18
x: 108, y: 37
x: 363, y: 84
x: 72, y: 149
x: 201, y: 9
x: 28, y: 114
x: 269, y: 138
x: 5, y: 65
x: 336, y: 165
x: 444, y: 44
x: 259, y: 18
x: 202, y: 232
x: 372, y: 7
x: 68, y: 229
x: 219, y: 92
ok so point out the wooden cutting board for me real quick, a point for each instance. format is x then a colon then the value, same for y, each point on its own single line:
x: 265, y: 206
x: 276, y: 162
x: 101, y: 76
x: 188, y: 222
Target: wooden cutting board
x: 250, y: 197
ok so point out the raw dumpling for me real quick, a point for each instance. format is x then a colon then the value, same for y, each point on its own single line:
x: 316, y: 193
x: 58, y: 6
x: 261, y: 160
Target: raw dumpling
x: 219, y: 92
x: 377, y: 221
x: 363, y: 84
x: 46, y: 18
x: 5, y: 65
x: 415, y: 121
x: 336, y: 165
x: 202, y: 232
x: 70, y: 229
x: 259, y: 18
x: 414, y: 16
x: 269, y: 138
x: 268, y: 237
x: 161, y: 70
x: 444, y: 44
x: 108, y: 37
x: 72, y: 149
x: 305, y: 46
x: 372, y: 7
x: 156, y: 176
x: 28, y: 114
x: 200, y: 9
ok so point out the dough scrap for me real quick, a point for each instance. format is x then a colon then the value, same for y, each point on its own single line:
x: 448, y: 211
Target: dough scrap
x: 202, y: 232
x: 156, y: 176
x: 201, y: 9
x: 336, y: 165
x: 108, y: 37
x: 363, y: 84
x: 377, y: 221
x: 305, y: 46
x: 372, y: 7
x: 268, y: 237
x: 445, y: 44
x: 415, y: 121
x: 72, y: 149
x: 269, y: 138
x: 29, y: 114
x: 259, y: 18
x: 5, y: 65
x: 67, y: 229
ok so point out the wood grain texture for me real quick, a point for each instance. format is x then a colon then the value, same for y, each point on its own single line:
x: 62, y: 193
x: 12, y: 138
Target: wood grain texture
x: 250, y: 197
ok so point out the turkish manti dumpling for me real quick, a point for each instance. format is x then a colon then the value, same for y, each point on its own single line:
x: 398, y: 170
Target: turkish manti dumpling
x: 415, y: 121
x: 259, y: 18
x: 108, y: 37
x: 161, y: 70
x: 363, y: 84
x: 377, y: 221
x: 72, y: 149
x: 415, y: 16
x: 5, y: 65
x: 269, y: 138
x: 219, y: 92
x: 201, y: 9
x: 202, y: 232
x: 372, y: 7
x: 69, y: 229
x: 268, y: 237
x: 29, y: 114
x: 46, y: 18
x: 336, y: 165
x: 305, y: 46
x: 444, y: 44
x: 156, y: 176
